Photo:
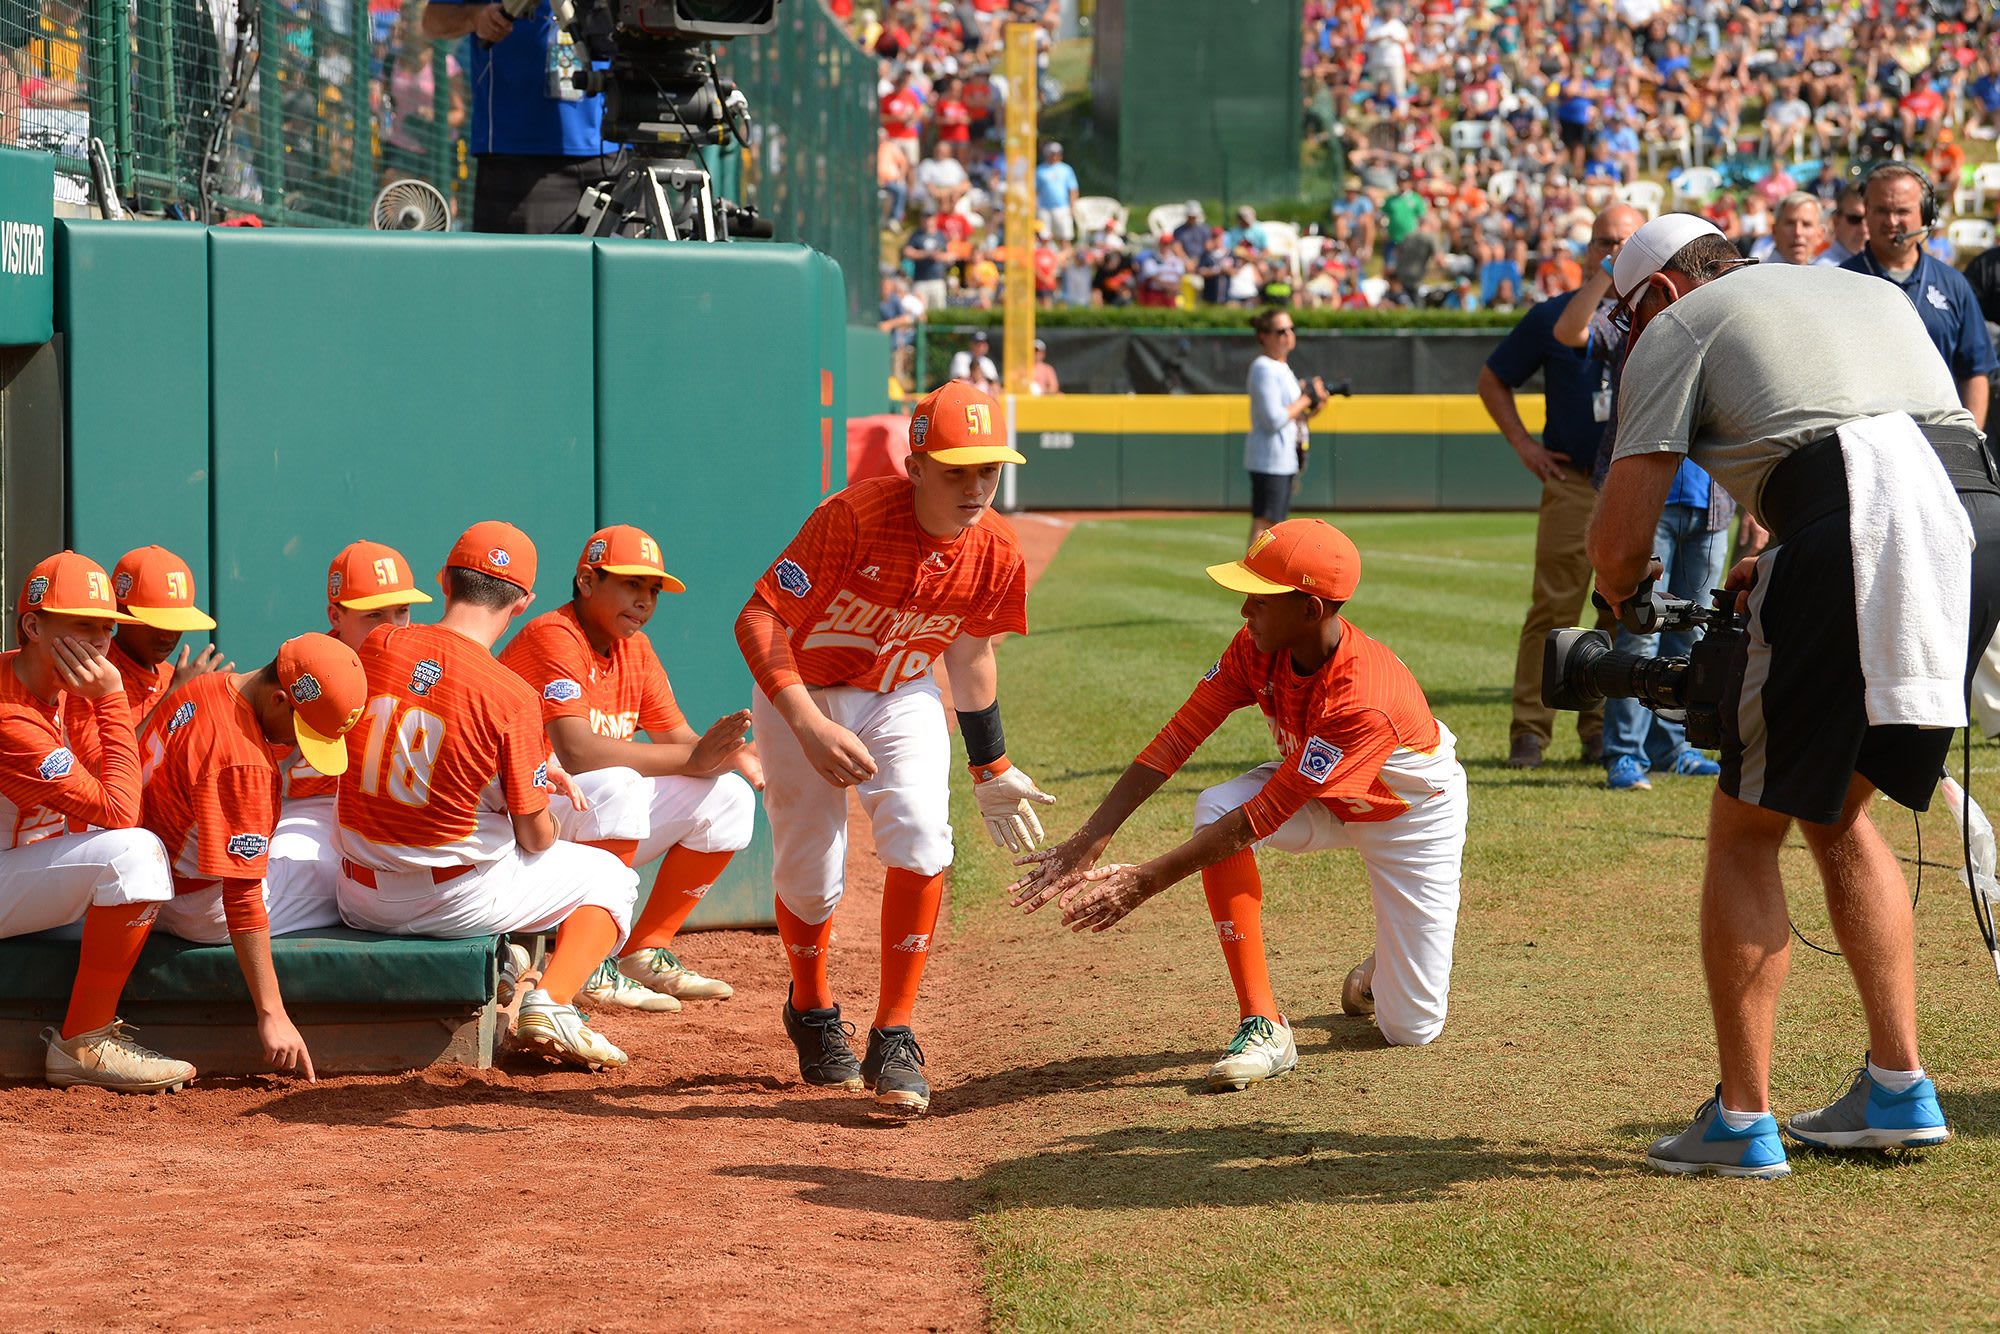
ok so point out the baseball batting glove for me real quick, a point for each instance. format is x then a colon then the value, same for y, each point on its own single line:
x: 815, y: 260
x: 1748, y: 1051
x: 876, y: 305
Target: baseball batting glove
x: 1007, y: 798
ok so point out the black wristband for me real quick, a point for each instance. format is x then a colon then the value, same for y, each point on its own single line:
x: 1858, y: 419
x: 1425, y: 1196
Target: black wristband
x: 984, y: 742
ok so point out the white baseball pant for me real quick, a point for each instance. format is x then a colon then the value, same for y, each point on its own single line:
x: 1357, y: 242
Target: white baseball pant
x: 907, y: 800
x: 707, y: 814
x: 1413, y: 873
x: 55, y: 881
x: 513, y: 892
x: 300, y: 883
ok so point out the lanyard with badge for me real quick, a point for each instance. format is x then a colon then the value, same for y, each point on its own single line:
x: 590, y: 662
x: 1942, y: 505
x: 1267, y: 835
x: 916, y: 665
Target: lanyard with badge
x: 1600, y: 401
x: 564, y: 64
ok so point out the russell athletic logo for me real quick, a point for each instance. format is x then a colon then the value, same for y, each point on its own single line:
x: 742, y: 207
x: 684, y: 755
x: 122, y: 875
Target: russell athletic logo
x: 1227, y: 931
x: 917, y: 942
x: 806, y: 951
x: 425, y: 675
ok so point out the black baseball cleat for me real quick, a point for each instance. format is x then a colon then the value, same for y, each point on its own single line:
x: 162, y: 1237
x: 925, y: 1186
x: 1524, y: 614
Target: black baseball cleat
x: 820, y: 1036
x: 894, y: 1068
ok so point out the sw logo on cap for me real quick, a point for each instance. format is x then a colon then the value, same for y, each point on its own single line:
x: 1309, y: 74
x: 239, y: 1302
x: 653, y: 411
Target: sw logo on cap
x: 562, y: 690
x: 1318, y: 759
x: 595, y: 551
x: 499, y: 556
x: 38, y: 588
x: 56, y: 764
x: 425, y: 675
x: 793, y: 579
x: 978, y: 419
x: 248, y: 846
x: 123, y: 583
x: 306, y: 689
x: 182, y: 717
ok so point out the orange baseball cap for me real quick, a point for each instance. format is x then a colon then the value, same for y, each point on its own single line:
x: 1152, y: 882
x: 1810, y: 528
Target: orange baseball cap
x: 67, y: 584
x: 497, y: 548
x: 323, y: 679
x: 623, y: 549
x: 1296, y: 556
x: 156, y: 586
x: 366, y: 576
x: 957, y: 425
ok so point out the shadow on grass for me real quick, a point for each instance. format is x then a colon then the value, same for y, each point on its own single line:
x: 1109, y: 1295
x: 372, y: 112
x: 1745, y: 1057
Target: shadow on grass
x: 1160, y: 1167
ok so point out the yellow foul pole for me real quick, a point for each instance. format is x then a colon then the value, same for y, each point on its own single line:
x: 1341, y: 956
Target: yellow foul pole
x: 1018, y: 297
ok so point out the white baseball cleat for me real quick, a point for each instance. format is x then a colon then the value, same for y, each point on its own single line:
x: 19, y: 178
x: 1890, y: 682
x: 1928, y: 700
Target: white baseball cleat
x: 107, y: 1059
x: 1260, y: 1050
x: 514, y: 962
x: 1357, y: 993
x: 559, y: 1031
x: 663, y: 971
x: 608, y: 988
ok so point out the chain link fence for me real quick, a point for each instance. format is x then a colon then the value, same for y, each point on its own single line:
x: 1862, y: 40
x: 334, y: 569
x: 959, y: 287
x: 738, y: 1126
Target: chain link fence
x: 335, y: 98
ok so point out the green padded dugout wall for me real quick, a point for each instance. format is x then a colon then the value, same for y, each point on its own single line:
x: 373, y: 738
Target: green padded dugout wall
x: 257, y: 399
x: 132, y: 303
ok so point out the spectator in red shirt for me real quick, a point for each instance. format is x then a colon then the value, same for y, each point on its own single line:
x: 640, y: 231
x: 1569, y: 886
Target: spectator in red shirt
x: 954, y: 117
x: 903, y: 112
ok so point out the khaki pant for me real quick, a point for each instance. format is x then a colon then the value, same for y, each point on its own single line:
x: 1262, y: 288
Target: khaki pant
x: 1562, y: 585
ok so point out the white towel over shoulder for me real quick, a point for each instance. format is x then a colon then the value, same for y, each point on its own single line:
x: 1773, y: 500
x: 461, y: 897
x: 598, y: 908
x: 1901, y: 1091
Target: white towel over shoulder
x: 1912, y: 573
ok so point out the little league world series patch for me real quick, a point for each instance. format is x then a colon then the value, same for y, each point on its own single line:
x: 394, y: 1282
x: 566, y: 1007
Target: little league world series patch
x: 1318, y: 759
x: 793, y: 579
x: 562, y: 690
x: 56, y: 764
x: 248, y: 846
x: 425, y: 675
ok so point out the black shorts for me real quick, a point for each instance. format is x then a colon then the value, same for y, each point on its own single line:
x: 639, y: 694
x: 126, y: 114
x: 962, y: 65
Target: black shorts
x: 1794, y: 725
x: 1270, y: 495
x: 1573, y: 135
x: 535, y: 196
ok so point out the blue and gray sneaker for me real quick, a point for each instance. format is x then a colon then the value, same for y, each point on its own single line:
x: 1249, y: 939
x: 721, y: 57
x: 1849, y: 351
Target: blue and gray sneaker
x: 1694, y: 764
x: 1868, y: 1116
x: 1626, y: 774
x: 1709, y: 1145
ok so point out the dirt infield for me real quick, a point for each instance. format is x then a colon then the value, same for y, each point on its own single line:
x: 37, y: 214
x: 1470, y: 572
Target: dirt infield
x: 702, y: 1188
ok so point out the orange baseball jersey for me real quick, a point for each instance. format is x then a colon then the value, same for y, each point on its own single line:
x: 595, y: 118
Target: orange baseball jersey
x: 212, y: 793
x: 1357, y: 734
x: 869, y: 599
x: 144, y: 686
x: 51, y: 759
x: 619, y: 694
x: 447, y: 732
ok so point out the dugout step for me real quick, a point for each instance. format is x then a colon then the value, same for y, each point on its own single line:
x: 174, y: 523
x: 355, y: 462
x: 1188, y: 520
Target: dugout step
x: 365, y: 1003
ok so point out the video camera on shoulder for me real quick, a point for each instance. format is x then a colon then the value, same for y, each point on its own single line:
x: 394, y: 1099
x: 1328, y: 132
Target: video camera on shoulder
x: 1580, y: 667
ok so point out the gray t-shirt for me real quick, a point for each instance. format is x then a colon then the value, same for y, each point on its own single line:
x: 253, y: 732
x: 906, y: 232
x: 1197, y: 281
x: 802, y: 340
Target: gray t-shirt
x: 1272, y: 443
x: 1744, y: 370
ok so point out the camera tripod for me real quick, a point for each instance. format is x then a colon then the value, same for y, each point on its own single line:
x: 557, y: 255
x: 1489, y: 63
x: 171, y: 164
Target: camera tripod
x: 670, y: 200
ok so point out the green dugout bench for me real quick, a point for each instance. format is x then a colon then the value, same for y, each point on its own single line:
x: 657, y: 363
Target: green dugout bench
x: 364, y: 1003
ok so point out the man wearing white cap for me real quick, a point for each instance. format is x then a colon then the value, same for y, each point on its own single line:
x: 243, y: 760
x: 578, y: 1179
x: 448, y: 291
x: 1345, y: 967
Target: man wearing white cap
x: 1813, y: 396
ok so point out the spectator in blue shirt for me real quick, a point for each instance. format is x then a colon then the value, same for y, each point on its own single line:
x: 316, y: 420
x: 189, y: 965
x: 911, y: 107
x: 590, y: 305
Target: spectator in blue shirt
x: 538, y: 140
x: 1359, y: 210
x: 1893, y: 196
x: 1056, y: 194
x: 1984, y: 93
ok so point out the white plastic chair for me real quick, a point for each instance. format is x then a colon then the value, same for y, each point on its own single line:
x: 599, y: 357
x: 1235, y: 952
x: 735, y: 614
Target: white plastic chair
x: 1986, y: 184
x: 1831, y: 133
x: 1646, y: 196
x: 1970, y: 234
x: 1438, y: 162
x: 1165, y: 219
x: 1471, y: 137
x: 1092, y: 212
x: 1372, y: 288
x: 1500, y: 186
x: 1696, y: 185
x: 1282, y: 240
x: 1682, y: 148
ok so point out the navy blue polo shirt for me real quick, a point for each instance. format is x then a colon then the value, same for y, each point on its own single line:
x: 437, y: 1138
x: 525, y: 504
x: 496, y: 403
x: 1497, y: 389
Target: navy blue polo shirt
x: 1571, y: 377
x: 512, y: 112
x: 1949, y: 309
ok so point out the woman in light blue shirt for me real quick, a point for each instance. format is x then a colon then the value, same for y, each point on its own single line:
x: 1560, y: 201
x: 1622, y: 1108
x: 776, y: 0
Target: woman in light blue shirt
x: 1279, y: 407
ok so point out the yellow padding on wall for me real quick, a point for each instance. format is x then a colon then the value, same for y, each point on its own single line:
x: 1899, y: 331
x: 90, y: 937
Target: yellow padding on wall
x: 1229, y: 414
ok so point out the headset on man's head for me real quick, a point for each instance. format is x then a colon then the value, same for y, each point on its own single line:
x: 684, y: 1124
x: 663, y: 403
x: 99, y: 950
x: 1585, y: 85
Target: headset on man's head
x: 1927, y: 210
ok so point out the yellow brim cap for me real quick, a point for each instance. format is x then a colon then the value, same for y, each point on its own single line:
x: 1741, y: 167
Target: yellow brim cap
x: 970, y: 454
x: 172, y: 618
x: 326, y: 754
x: 1239, y: 578
x: 94, y: 613
x: 667, y: 581
x: 376, y: 601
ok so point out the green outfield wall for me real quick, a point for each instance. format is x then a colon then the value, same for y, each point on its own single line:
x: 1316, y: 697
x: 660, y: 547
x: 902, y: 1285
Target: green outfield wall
x: 1370, y: 452
x: 255, y: 400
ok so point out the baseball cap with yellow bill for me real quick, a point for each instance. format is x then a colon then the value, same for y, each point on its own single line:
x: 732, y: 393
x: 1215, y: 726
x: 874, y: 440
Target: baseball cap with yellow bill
x: 1296, y: 556
x: 367, y: 576
x: 68, y: 584
x: 323, y: 679
x: 957, y: 425
x: 623, y: 549
x: 156, y: 586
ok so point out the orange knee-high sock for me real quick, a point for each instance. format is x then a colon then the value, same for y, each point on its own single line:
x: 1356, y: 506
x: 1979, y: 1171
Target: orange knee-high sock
x: 684, y: 876
x: 1236, y: 903
x: 113, y: 935
x: 910, y: 902
x: 624, y: 849
x: 585, y: 937
x: 806, y: 945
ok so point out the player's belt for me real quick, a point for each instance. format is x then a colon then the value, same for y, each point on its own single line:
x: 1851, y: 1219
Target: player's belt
x: 364, y: 877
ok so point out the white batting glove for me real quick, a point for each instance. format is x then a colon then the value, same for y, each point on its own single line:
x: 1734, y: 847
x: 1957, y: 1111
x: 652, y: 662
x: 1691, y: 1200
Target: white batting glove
x: 1007, y: 798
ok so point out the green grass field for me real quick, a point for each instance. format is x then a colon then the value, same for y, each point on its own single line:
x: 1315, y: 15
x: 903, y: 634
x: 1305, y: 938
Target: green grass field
x: 1495, y: 1178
